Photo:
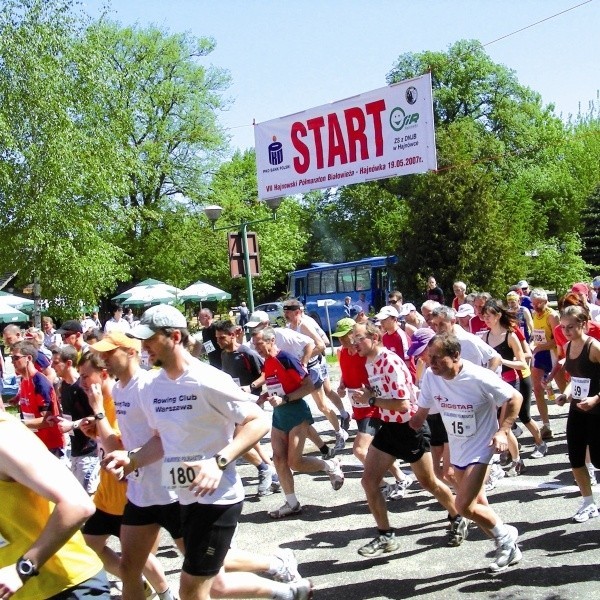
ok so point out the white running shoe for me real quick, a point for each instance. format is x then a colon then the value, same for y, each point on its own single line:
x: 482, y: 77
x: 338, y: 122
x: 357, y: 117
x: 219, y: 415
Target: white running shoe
x: 507, y: 551
x: 340, y: 439
x: 585, y: 513
x: 336, y: 475
x: 540, y: 451
x: 302, y: 590
x: 285, y: 511
x: 288, y: 571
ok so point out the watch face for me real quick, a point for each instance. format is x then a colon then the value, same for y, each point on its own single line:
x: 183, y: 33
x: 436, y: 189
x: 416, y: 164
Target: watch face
x: 99, y: 416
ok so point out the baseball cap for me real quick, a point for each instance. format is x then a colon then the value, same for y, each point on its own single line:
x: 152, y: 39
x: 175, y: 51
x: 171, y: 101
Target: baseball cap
x: 596, y: 282
x: 523, y: 284
x: 419, y: 341
x: 256, y: 318
x: 512, y: 296
x: 465, y: 310
x: 116, y: 339
x: 406, y: 308
x: 155, y: 318
x: 343, y: 327
x: 385, y: 312
x: 580, y: 288
x: 72, y: 326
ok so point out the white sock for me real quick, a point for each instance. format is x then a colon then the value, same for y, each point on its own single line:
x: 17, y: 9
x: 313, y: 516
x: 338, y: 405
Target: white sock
x: 587, y: 500
x: 499, y: 530
x: 344, y: 414
x: 291, y: 499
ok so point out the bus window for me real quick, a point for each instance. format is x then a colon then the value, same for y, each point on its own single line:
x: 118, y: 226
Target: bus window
x: 328, y: 281
x: 345, y: 280
x: 299, y: 287
x: 363, y: 279
x: 314, y: 284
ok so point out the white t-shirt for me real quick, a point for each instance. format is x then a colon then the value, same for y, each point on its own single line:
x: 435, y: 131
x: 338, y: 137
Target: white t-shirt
x: 473, y: 348
x: 114, y: 325
x: 144, y: 486
x: 468, y: 405
x: 289, y: 341
x: 195, y: 416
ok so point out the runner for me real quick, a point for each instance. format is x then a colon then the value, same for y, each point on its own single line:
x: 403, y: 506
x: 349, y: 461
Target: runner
x: 468, y: 396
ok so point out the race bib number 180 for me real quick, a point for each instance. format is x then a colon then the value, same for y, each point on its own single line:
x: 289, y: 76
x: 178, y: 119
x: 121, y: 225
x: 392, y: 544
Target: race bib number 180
x: 176, y: 474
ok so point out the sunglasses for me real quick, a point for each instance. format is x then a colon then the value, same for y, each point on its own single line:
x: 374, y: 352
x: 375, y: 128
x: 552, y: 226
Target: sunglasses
x: 291, y: 308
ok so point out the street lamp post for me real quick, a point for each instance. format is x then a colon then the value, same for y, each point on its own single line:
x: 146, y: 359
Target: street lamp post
x: 213, y: 213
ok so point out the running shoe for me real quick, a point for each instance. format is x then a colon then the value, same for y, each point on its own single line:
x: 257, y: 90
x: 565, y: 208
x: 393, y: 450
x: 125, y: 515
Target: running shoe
x: 288, y: 571
x: 336, y: 475
x: 302, y: 590
x: 585, y: 513
x: 397, y: 490
x: 496, y: 472
x: 516, y: 467
x: 340, y: 439
x: 285, y: 511
x: 505, y: 458
x: 459, y: 531
x: 345, y: 422
x: 490, y: 484
x: 546, y: 432
x: 265, y: 482
x: 329, y: 454
x: 507, y: 551
x: 540, y: 451
x: 379, y: 545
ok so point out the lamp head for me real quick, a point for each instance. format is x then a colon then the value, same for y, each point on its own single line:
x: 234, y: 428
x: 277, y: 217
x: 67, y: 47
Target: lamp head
x: 274, y: 203
x: 213, y: 212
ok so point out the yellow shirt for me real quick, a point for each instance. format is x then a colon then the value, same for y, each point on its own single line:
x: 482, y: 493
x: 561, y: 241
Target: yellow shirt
x: 23, y: 515
x: 110, y: 496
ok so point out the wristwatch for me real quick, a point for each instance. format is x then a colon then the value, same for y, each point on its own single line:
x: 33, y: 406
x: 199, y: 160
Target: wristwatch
x: 372, y: 400
x: 222, y: 462
x: 285, y: 398
x: 99, y: 416
x: 26, y: 569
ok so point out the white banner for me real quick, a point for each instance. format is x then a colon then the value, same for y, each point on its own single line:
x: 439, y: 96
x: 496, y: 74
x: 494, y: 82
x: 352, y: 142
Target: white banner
x: 383, y: 133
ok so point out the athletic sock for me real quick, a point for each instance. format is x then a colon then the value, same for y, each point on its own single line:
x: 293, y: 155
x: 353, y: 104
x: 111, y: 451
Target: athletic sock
x: 282, y: 591
x: 291, y: 499
x: 263, y: 466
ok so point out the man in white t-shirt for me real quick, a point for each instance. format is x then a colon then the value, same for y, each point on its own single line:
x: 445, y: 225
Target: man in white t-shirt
x: 117, y: 322
x: 194, y: 408
x: 468, y: 398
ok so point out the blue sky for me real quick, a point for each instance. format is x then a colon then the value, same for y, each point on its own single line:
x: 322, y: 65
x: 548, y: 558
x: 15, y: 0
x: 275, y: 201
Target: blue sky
x: 286, y: 56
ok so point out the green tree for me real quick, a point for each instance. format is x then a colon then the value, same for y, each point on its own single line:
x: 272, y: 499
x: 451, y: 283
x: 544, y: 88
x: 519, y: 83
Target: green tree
x: 162, y: 102
x: 56, y: 177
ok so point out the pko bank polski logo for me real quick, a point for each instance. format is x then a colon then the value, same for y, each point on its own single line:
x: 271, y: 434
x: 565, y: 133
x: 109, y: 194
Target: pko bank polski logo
x: 275, y: 152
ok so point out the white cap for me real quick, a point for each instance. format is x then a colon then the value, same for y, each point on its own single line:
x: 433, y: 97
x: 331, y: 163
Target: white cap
x: 385, y: 312
x: 155, y: 318
x: 406, y: 308
x: 523, y: 284
x: 465, y: 310
x: 256, y: 318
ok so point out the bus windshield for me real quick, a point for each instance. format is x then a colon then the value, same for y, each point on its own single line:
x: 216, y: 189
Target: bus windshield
x: 324, y: 287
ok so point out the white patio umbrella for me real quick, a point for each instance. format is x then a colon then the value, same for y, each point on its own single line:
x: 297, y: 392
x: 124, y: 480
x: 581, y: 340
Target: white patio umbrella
x: 203, y: 292
x: 9, y: 314
x: 15, y: 301
x: 150, y: 291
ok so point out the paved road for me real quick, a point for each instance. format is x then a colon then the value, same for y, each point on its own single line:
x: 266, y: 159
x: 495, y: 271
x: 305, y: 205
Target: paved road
x: 560, y: 558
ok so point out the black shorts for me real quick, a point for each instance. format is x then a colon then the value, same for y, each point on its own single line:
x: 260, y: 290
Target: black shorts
x: 369, y: 425
x: 403, y: 442
x: 165, y: 515
x: 101, y: 523
x: 207, y: 533
x: 439, y: 435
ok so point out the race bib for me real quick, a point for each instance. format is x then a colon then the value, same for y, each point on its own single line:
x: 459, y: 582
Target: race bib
x: 354, y: 402
x: 324, y: 370
x: 580, y: 387
x: 458, y: 424
x: 539, y: 336
x: 376, y: 384
x: 275, y: 389
x: 176, y: 474
x: 208, y: 347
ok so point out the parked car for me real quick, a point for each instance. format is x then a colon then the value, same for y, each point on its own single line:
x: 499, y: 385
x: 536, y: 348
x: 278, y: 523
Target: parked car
x: 275, y: 312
